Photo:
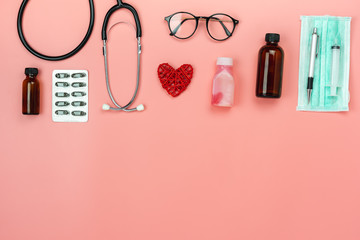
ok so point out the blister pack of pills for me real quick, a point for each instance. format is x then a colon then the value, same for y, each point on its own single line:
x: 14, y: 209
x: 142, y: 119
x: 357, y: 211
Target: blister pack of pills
x: 70, y: 99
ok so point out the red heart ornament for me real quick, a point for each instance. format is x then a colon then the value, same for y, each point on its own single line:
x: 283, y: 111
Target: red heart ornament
x: 175, y: 81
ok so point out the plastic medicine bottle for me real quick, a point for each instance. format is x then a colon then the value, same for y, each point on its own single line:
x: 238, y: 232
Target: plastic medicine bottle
x: 270, y: 68
x: 31, y: 93
x: 223, y: 83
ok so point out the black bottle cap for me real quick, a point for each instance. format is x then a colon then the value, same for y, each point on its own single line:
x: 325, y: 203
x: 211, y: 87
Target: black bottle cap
x: 272, y: 37
x: 31, y: 71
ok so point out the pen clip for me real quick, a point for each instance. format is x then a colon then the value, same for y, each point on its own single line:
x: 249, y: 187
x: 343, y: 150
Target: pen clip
x: 317, y: 46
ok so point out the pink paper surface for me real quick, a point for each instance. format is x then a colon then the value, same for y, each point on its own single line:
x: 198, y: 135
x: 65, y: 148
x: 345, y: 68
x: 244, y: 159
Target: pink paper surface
x: 181, y: 169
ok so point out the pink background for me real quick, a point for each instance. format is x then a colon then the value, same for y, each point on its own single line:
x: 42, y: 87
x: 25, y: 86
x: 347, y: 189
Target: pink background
x: 181, y: 169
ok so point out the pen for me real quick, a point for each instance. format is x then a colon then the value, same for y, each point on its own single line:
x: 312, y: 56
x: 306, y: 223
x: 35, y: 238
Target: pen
x: 313, y: 55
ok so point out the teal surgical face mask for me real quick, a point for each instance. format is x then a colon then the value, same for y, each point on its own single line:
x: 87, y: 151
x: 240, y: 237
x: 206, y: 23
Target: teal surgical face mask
x: 330, y: 88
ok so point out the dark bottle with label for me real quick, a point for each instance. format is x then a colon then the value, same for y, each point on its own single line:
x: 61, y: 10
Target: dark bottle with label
x: 270, y: 68
x: 31, y: 93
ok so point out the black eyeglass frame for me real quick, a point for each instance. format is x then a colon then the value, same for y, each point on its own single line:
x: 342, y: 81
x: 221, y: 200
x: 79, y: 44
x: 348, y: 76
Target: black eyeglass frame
x: 197, y: 18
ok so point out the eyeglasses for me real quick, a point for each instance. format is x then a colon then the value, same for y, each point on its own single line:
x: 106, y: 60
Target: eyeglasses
x: 183, y: 25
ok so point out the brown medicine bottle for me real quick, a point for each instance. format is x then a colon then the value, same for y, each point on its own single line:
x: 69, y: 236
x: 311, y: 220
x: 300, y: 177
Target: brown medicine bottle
x: 270, y: 68
x: 31, y: 93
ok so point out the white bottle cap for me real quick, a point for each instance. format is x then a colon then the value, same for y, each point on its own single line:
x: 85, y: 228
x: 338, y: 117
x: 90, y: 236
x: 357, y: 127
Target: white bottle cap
x: 224, y: 61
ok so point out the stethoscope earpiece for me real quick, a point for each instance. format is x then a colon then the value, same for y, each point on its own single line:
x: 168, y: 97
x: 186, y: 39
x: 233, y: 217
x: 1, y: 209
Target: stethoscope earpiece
x: 140, y: 108
x: 106, y: 107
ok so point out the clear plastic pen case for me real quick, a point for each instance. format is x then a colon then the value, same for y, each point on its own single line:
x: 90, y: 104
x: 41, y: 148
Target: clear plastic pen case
x: 70, y: 99
x: 330, y: 91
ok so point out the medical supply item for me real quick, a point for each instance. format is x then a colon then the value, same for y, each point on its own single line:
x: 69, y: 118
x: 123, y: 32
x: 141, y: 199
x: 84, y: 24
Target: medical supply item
x: 223, y: 83
x: 175, y: 81
x: 183, y: 25
x: 270, y: 68
x: 54, y: 58
x: 334, y: 84
x: 313, y: 56
x: 31, y: 93
x: 118, y: 6
x: 70, y: 96
x: 331, y: 69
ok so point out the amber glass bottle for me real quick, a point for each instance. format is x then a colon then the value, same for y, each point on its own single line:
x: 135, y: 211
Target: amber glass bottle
x: 270, y: 68
x: 31, y: 93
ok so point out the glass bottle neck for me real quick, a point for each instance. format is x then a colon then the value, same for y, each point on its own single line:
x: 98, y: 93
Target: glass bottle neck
x: 32, y: 76
x: 272, y: 43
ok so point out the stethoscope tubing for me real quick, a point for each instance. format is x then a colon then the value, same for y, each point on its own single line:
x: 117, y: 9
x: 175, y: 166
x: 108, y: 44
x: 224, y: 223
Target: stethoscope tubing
x: 104, y: 36
x: 54, y: 58
x: 118, y: 107
x: 112, y: 10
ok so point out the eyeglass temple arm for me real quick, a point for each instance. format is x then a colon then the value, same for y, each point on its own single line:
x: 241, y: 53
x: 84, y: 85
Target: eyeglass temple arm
x: 228, y: 33
x: 178, y: 26
x: 211, y: 19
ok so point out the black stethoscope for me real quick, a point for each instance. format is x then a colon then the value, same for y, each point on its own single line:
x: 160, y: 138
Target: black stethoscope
x: 104, y: 37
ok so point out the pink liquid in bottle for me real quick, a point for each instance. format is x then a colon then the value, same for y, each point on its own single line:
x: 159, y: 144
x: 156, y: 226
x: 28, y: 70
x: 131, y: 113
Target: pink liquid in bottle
x: 223, y: 84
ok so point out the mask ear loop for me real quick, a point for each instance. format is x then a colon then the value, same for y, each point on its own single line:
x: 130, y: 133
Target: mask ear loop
x: 118, y: 107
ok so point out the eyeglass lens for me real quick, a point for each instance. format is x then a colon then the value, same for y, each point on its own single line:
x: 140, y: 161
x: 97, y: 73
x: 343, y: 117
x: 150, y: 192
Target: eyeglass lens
x: 182, y: 25
x: 220, y: 26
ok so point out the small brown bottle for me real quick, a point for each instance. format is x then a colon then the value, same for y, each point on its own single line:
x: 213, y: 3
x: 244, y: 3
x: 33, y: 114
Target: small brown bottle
x: 31, y: 93
x: 270, y: 68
